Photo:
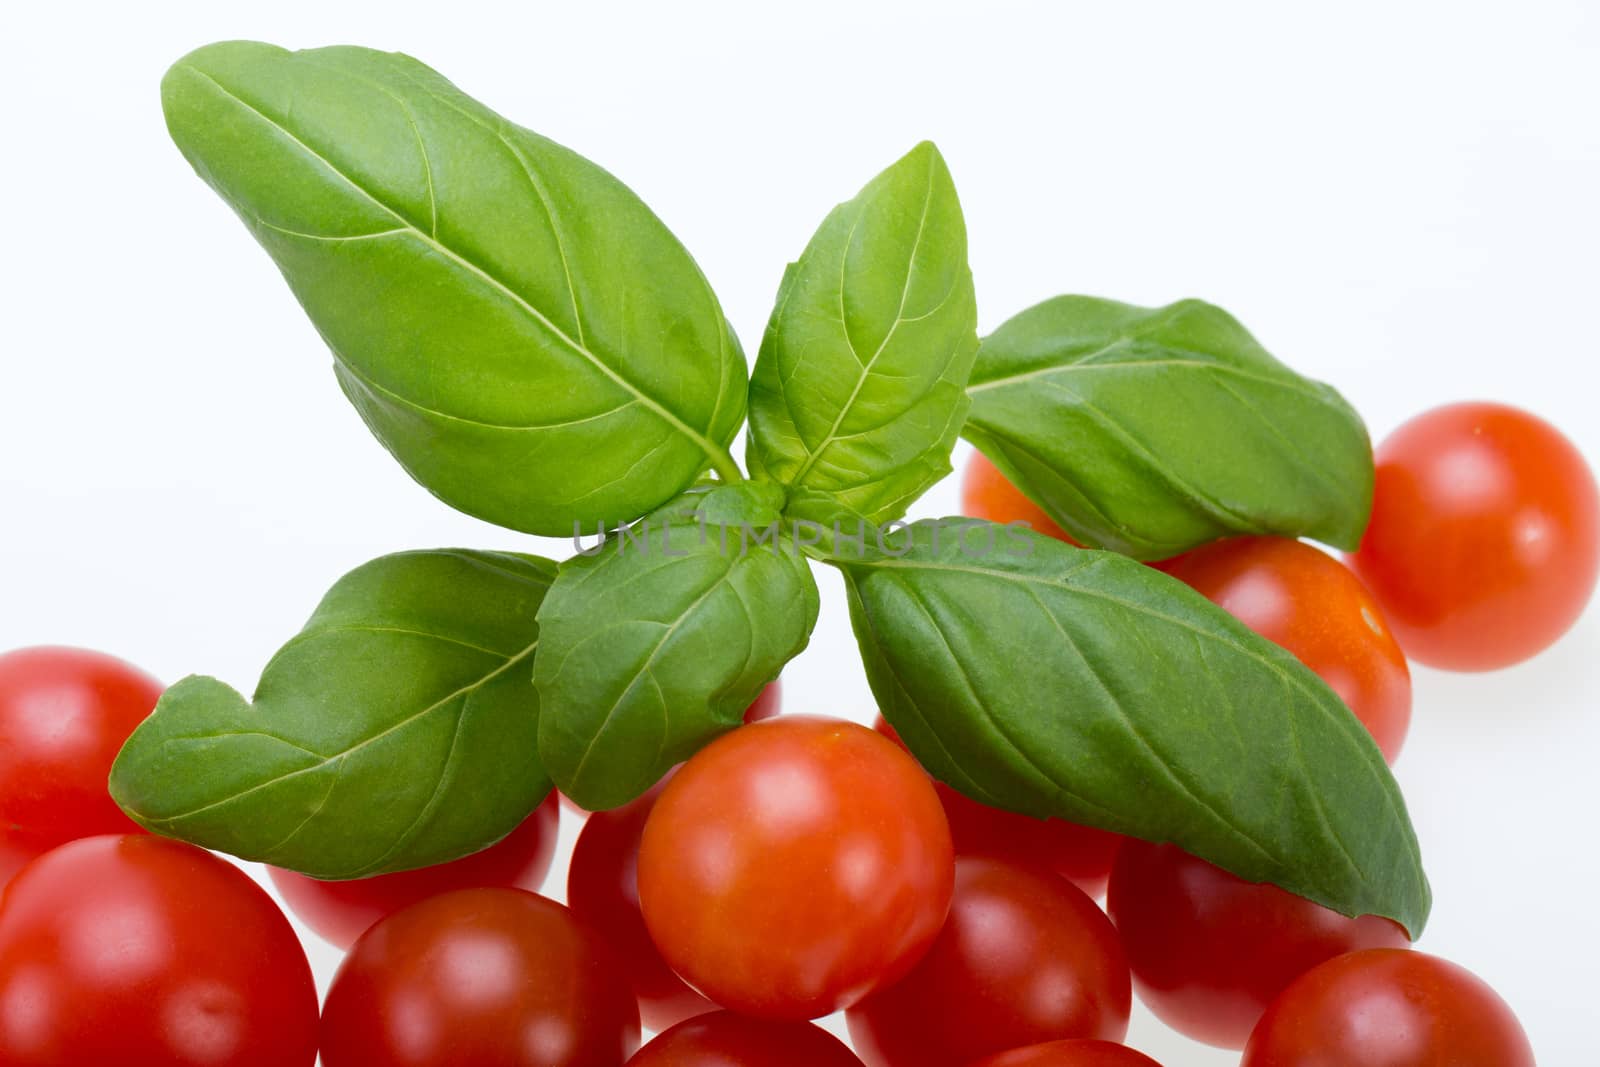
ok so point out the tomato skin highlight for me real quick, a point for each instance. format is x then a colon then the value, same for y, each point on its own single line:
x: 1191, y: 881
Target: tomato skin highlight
x: 64, y: 715
x: 1209, y: 952
x: 1085, y: 1053
x: 1081, y: 854
x: 794, y: 866
x: 1025, y: 957
x: 603, y: 891
x: 499, y: 976
x: 340, y: 912
x: 988, y: 494
x: 141, y: 951
x: 1484, y: 545
x: 724, y: 1039
x: 1314, y: 606
x: 1388, y: 1008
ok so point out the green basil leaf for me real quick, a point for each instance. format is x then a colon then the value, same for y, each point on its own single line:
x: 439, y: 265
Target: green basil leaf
x: 1152, y: 430
x: 660, y: 640
x: 518, y: 329
x: 397, y: 730
x: 1056, y: 681
x: 859, y: 387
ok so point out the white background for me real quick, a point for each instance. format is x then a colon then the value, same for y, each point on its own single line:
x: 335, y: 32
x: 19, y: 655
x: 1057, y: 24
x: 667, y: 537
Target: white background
x: 1400, y: 199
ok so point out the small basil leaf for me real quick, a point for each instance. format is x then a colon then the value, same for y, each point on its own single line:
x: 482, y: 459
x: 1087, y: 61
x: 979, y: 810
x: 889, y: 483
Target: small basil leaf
x: 658, y: 642
x: 1057, y: 681
x: 518, y: 329
x: 397, y: 730
x: 1152, y: 430
x: 858, y: 390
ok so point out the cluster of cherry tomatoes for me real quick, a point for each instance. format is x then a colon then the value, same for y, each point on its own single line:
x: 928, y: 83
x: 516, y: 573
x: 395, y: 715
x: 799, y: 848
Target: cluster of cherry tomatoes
x: 800, y: 866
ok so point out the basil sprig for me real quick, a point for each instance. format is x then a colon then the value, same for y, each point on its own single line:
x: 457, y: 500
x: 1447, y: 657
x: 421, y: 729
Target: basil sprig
x: 536, y: 348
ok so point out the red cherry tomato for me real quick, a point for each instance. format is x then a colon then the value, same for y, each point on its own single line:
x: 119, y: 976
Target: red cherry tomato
x: 988, y: 494
x: 64, y: 715
x: 767, y: 705
x: 1210, y: 951
x: 1025, y: 957
x: 603, y: 891
x: 140, y: 951
x: 1078, y: 853
x: 342, y: 911
x: 1484, y: 544
x: 791, y: 867
x: 497, y: 976
x: 1388, y: 1008
x: 1070, y: 1054
x: 724, y: 1039
x: 1312, y: 605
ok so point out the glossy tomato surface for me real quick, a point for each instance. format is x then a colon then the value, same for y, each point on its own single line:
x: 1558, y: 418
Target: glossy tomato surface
x: 1085, y: 1053
x: 340, y: 912
x: 724, y: 1039
x: 603, y: 891
x: 1081, y: 854
x: 988, y: 494
x: 490, y: 976
x: 1025, y: 957
x: 791, y: 867
x: 1209, y: 951
x: 64, y: 715
x: 1484, y: 544
x: 139, y: 951
x: 1314, y: 606
x: 1388, y: 1008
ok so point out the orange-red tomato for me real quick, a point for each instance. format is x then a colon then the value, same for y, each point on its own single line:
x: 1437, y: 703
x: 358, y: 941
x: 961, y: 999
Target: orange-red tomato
x: 724, y: 1039
x: 490, y: 976
x: 342, y: 911
x: 988, y: 494
x: 64, y: 715
x: 1079, y: 853
x: 1209, y: 951
x: 1484, y: 544
x: 794, y: 866
x: 1069, y: 1054
x: 603, y: 891
x: 1312, y: 605
x: 1025, y: 957
x: 1388, y: 1008
x: 141, y: 951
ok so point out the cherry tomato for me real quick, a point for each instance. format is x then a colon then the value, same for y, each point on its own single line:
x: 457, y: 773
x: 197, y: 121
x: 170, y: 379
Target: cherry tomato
x: 1312, y: 605
x: 1484, y: 544
x: 342, y: 911
x: 988, y: 494
x: 767, y: 705
x: 791, y: 867
x: 1078, y: 853
x: 1210, y: 951
x: 1388, y: 1008
x: 497, y: 976
x: 1069, y: 1054
x: 64, y: 714
x: 140, y: 951
x: 1025, y: 957
x: 724, y: 1039
x: 603, y: 891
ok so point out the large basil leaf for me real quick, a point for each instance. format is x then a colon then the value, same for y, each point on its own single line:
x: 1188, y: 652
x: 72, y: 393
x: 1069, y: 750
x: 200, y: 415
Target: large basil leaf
x: 398, y: 729
x: 660, y: 640
x: 519, y: 330
x: 858, y: 390
x: 1057, y: 681
x: 1152, y: 430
